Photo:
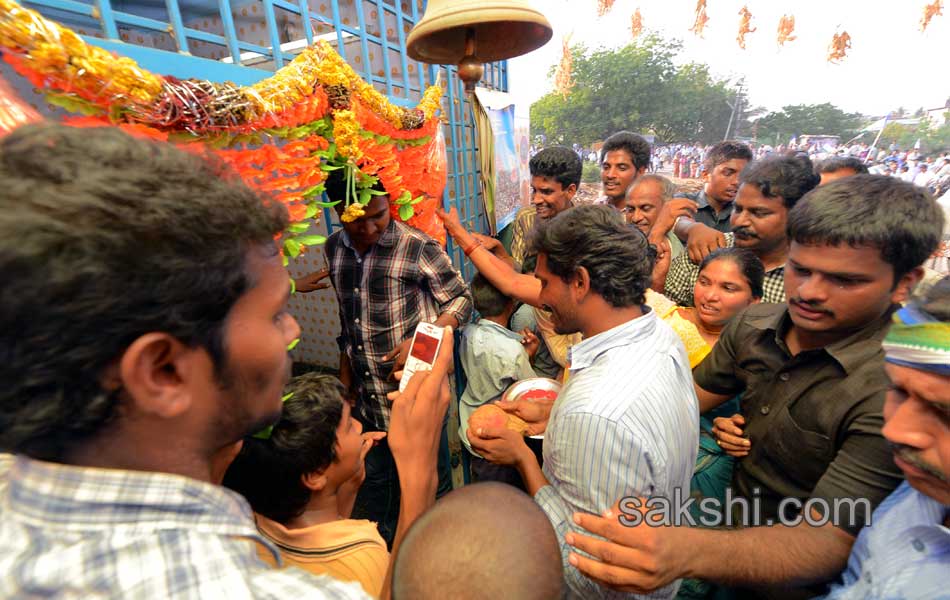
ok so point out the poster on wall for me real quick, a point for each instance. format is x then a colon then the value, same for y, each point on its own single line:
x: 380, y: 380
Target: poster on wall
x: 511, y: 144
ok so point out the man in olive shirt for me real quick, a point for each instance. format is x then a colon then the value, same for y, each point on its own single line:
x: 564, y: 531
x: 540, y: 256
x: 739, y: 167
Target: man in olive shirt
x: 813, y: 384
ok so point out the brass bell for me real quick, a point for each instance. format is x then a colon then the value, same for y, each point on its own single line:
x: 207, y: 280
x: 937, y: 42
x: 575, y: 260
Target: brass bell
x: 468, y: 33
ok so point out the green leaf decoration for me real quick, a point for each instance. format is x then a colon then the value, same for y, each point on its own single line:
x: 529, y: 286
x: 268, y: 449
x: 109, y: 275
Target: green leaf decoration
x: 315, y: 190
x: 311, y: 240
x: 264, y: 434
x: 327, y: 167
x: 406, y: 211
x: 312, y: 209
x: 298, y: 227
x: 293, y: 286
x: 418, y: 200
x: 322, y: 204
x: 292, y: 247
x: 75, y: 105
x: 364, y: 196
x: 293, y: 344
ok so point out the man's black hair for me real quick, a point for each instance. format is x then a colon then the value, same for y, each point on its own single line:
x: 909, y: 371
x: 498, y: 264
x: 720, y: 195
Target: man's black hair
x: 789, y: 177
x: 635, y: 145
x: 489, y: 302
x: 335, y: 187
x: 559, y: 163
x: 268, y: 471
x: 840, y: 163
x: 724, y: 152
x: 104, y: 238
x: 899, y: 218
x: 618, y: 258
x: 752, y: 269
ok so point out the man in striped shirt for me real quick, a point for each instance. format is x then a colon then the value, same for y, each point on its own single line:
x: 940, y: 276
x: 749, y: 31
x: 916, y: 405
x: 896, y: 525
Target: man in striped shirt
x: 626, y: 423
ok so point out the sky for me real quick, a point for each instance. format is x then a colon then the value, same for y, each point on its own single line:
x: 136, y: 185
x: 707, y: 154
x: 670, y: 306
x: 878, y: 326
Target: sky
x: 891, y: 63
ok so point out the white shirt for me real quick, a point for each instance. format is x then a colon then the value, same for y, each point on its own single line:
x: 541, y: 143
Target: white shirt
x: 625, y: 424
x: 923, y: 178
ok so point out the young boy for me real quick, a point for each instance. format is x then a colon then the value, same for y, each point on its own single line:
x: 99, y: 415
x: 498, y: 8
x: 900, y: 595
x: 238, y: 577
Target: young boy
x: 493, y: 358
x: 301, y: 479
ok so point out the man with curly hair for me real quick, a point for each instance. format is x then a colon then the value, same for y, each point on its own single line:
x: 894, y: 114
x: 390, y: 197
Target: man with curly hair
x: 555, y: 177
x: 624, y: 157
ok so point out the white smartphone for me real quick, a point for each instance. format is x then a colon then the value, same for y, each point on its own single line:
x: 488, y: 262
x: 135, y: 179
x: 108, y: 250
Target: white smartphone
x: 425, y: 347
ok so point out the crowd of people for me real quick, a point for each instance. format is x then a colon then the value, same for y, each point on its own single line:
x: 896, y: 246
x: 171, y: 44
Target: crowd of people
x: 754, y: 401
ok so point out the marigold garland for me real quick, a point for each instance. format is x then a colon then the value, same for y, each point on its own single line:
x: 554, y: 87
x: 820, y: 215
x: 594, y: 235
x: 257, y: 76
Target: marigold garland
x: 280, y: 135
x: 931, y: 10
x: 786, y: 29
x: 636, y: 24
x: 700, y: 18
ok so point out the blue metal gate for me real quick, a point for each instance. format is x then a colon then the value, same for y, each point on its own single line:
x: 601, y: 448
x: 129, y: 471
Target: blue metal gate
x: 246, y: 40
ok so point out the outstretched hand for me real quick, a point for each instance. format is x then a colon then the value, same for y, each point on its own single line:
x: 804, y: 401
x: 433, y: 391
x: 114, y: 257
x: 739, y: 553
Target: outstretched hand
x: 703, y: 240
x: 499, y: 445
x: 670, y: 212
x: 415, y: 424
x: 634, y: 556
x: 312, y: 281
x: 399, y: 355
x: 450, y: 219
x: 533, y: 412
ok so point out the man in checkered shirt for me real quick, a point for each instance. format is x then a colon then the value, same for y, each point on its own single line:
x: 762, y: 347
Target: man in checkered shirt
x: 388, y: 277
x: 768, y: 190
x: 143, y: 335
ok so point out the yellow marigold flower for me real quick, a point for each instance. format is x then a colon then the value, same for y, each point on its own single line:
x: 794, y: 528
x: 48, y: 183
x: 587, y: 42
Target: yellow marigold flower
x: 346, y: 134
x: 431, y: 101
x: 353, y: 212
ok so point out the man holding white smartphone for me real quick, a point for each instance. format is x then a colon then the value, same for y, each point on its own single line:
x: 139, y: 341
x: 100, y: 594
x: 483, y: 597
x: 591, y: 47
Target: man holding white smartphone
x: 388, y: 278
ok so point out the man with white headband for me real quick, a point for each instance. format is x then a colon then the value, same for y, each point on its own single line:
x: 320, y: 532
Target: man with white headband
x: 905, y: 551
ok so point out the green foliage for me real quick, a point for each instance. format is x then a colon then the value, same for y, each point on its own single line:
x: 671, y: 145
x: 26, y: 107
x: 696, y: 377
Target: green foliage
x: 637, y: 88
x: 932, y: 139
x: 591, y: 172
x: 640, y: 88
x: 813, y: 119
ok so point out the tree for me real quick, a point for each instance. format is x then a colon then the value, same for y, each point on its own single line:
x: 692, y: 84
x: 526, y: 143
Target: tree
x: 932, y: 139
x: 815, y: 119
x: 637, y: 88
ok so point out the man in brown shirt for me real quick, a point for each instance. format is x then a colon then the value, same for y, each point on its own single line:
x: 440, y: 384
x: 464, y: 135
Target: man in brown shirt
x: 812, y: 382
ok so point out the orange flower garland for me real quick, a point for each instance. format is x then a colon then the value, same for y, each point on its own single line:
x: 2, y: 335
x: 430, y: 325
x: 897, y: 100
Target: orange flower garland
x: 276, y: 134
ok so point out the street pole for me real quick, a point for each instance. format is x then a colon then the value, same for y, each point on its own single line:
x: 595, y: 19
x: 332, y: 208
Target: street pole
x: 873, y: 147
x: 735, y: 108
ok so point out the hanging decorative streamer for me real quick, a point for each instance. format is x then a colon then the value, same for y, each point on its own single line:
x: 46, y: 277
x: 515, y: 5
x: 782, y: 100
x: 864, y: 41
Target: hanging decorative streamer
x: 636, y: 24
x: 934, y: 9
x: 604, y: 6
x: 786, y: 29
x: 701, y: 18
x: 563, y: 79
x: 838, y: 49
x: 745, y: 26
x: 282, y: 135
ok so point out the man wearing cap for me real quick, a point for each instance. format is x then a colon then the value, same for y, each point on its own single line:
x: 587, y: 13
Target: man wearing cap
x: 905, y: 552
